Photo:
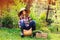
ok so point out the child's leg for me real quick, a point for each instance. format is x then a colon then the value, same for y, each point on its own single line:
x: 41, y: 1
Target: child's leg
x: 22, y: 32
x: 22, y: 24
x: 33, y: 25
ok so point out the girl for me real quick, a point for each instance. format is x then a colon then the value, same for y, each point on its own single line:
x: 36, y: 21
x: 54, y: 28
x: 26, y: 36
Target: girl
x: 25, y: 21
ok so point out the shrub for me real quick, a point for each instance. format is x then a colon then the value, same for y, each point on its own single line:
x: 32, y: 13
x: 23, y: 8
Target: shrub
x: 7, y: 21
x: 40, y: 20
x: 0, y: 21
x: 45, y: 29
x: 54, y: 27
x: 50, y: 21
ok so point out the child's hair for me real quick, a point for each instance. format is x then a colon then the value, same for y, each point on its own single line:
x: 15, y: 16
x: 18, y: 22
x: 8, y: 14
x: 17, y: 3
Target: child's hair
x: 21, y: 12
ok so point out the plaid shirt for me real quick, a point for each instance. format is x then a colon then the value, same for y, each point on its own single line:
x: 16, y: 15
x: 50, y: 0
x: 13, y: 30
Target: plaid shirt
x: 26, y: 20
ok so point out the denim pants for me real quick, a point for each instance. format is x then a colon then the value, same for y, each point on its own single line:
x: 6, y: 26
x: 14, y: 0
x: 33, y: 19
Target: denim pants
x: 31, y: 25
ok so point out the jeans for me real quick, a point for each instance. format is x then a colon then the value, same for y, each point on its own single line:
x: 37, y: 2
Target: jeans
x: 31, y: 25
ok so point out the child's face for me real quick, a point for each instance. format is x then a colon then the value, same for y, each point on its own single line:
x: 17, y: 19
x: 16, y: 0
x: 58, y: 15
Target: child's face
x: 24, y: 12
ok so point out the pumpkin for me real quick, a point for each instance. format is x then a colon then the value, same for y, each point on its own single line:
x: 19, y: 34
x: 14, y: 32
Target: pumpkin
x: 27, y: 32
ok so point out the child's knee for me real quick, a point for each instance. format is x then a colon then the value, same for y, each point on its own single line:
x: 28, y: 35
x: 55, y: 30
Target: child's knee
x: 22, y: 24
x: 32, y: 22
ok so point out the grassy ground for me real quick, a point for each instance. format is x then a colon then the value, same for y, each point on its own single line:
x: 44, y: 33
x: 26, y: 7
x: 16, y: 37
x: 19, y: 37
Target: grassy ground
x: 55, y: 36
x: 14, y: 34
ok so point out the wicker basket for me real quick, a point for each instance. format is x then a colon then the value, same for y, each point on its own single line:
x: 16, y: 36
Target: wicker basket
x: 27, y: 32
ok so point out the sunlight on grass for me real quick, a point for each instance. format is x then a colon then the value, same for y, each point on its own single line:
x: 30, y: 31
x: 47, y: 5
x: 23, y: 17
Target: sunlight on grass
x: 9, y: 34
x: 55, y: 36
x: 14, y: 34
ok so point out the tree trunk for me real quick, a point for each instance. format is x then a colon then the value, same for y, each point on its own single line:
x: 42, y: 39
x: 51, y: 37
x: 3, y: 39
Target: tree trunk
x: 49, y: 2
x: 47, y: 13
x: 29, y: 4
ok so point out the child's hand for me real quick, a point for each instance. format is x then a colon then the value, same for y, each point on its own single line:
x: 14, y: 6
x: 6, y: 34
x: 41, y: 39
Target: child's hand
x: 19, y: 24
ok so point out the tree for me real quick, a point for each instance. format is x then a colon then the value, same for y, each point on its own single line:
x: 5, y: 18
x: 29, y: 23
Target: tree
x: 28, y: 4
x: 4, y: 3
x: 50, y: 2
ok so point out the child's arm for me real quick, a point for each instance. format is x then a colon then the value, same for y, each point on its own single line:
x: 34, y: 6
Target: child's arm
x: 30, y: 19
x: 19, y: 24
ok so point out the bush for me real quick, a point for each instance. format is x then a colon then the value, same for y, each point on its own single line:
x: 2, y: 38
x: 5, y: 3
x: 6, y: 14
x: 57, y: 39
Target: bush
x: 45, y: 29
x: 54, y: 27
x: 0, y: 21
x: 50, y: 21
x: 7, y: 21
x: 40, y: 20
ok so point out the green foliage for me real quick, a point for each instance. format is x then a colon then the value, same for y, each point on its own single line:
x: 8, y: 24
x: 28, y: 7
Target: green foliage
x: 54, y: 27
x: 0, y: 21
x: 40, y: 20
x: 14, y: 34
x: 7, y: 21
x: 43, y: 16
x: 10, y: 19
x: 14, y: 16
x: 50, y: 21
x: 45, y: 29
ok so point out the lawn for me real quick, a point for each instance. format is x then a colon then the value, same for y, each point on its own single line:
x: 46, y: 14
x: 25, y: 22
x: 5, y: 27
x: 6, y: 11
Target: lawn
x: 14, y: 34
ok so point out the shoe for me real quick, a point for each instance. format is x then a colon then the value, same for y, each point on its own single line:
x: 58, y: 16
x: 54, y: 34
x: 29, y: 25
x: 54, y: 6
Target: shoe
x: 22, y: 35
x: 34, y: 34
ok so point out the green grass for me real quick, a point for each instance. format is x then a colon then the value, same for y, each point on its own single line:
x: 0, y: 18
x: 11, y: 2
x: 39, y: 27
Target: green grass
x: 9, y: 34
x: 14, y: 34
x: 55, y: 36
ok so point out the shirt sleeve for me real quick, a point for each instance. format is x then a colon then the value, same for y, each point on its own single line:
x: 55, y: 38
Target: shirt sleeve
x: 29, y: 18
x: 19, y: 23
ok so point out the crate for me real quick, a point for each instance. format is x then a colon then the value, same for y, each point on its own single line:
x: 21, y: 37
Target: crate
x: 41, y: 35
